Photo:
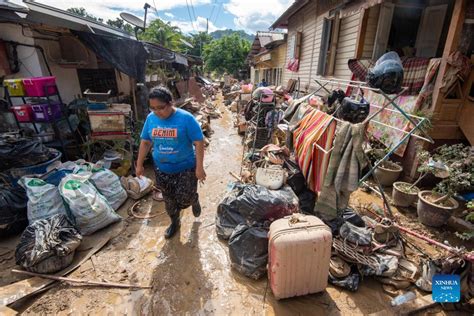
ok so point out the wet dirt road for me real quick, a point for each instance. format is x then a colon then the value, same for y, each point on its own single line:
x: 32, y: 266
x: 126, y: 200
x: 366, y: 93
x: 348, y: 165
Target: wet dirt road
x: 190, y: 274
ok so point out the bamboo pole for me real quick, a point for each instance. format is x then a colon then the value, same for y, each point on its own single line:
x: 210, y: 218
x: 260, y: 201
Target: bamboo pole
x: 84, y: 282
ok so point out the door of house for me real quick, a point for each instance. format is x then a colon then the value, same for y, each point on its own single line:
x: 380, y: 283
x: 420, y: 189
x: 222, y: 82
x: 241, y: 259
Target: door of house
x: 383, y: 29
x: 429, y: 31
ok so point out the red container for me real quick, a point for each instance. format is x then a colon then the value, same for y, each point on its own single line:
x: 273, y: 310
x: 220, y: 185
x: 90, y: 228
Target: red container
x: 46, y: 112
x: 23, y: 113
x: 35, y: 87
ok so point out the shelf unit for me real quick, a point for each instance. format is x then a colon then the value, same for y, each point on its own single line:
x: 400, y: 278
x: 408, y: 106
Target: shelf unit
x: 59, y: 141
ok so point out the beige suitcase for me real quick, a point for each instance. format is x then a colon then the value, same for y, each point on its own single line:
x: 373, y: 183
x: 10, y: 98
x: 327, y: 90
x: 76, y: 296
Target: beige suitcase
x: 299, y: 252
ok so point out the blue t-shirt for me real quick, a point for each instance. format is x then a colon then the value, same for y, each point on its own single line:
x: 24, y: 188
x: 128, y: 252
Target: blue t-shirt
x: 172, y: 138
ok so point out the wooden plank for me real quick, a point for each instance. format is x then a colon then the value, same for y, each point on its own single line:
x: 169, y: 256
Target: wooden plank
x: 446, y: 131
x: 452, y: 41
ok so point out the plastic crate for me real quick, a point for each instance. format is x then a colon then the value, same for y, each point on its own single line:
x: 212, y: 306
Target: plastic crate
x: 46, y: 112
x: 15, y: 87
x: 102, y: 121
x: 23, y: 113
x: 35, y: 87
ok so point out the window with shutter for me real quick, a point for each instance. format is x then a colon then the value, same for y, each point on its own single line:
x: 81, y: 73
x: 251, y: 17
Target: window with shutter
x: 327, y: 53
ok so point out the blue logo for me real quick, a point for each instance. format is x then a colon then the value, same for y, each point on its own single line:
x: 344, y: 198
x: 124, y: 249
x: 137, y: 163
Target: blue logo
x: 446, y: 288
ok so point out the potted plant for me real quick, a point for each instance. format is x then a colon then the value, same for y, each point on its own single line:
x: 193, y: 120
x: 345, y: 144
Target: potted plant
x: 454, y: 165
x: 388, y: 172
x: 404, y: 194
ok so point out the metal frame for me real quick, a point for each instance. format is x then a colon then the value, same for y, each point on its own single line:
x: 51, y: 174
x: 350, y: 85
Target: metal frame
x: 64, y: 115
x: 389, y: 101
x: 255, y: 119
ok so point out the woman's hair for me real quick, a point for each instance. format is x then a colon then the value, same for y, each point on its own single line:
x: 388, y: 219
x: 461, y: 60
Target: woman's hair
x: 162, y: 94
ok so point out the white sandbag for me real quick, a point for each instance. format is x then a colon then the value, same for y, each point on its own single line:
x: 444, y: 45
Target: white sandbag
x: 90, y: 209
x: 44, y: 199
x: 108, y: 184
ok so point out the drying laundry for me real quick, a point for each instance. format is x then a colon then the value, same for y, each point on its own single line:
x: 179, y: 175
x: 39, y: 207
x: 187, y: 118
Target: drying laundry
x: 316, y: 128
x: 342, y: 177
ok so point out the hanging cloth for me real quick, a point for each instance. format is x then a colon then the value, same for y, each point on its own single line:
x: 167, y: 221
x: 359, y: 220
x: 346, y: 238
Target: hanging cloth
x: 345, y: 165
x: 312, y: 127
x: 320, y: 159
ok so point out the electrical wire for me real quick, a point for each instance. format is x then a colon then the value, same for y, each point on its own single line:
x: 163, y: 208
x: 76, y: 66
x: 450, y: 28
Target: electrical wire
x: 218, y: 12
x: 212, y: 11
x: 194, y: 12
x: 154, y: 8
x: 189, y: 14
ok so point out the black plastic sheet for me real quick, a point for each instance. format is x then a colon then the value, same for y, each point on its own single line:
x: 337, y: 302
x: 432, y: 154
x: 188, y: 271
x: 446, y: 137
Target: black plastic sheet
x: 53, y: 239
x: 13, y: 215
x: 23, y: 152
x: 127, y: 55
x: 258, y: 204
x: 228, y: 216
x: 248, y: 250
x: 307, y: 200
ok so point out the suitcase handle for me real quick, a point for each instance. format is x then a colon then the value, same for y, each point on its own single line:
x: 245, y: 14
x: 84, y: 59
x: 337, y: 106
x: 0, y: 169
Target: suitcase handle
x: 294, y: 219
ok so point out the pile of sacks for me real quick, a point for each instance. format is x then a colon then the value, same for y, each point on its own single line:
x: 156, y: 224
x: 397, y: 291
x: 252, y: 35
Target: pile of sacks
x: 77, y: 199
x: 244, y: 217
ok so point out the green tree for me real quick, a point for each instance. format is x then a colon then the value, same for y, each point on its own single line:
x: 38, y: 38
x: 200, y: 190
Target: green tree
x: 226, y: 54
x: 164, y: 34
x: 82, y: 12
x: 121, y: 24
x: 199, y: 41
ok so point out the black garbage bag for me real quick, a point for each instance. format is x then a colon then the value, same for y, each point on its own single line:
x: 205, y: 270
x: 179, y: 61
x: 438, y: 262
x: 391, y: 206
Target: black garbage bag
x: 350, y: 282
x: 13, y: 214
x: 353, y: 111
x: 17, y: 153
x: 248, y: 250
x: 307, y: 200
x: 48, y: 245
x: 295, y: 180
x: 387, y: 74
x: 258, y: 204
x: 347, y: 215
x: 228, y: 216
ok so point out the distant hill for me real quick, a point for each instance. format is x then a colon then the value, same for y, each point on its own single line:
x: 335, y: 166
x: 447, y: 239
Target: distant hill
x: 220, y: 33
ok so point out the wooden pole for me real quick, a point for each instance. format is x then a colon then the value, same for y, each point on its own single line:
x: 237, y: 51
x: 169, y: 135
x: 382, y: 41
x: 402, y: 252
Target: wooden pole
x: 452, y: 41
x: 132, y: 83
x: 84, y: 282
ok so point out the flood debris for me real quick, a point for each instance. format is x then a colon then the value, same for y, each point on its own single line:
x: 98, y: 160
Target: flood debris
x: 82, y: 282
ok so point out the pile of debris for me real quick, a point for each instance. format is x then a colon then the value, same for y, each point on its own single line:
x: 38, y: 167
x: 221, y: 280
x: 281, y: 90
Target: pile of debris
x: 312, y: 151
x: 203, y: 112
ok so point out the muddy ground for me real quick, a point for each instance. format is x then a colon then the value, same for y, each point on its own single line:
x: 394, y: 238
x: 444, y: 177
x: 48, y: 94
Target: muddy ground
x: 190, y: 273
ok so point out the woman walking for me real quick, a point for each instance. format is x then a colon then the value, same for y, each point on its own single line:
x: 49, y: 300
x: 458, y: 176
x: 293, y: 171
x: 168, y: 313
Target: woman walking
x: 178, y: 155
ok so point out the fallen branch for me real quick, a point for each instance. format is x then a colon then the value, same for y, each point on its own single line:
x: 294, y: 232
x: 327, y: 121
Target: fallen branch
x: 235, y: 176
x: 84, y: 282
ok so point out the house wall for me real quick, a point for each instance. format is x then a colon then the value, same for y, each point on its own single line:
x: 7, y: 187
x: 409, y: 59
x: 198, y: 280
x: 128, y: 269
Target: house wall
x: 303, y: 21
x: 309, y: 20
x: 31, y: 63
x: 346, y: 45
x: 252, y: 74
x: 279, y: 55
